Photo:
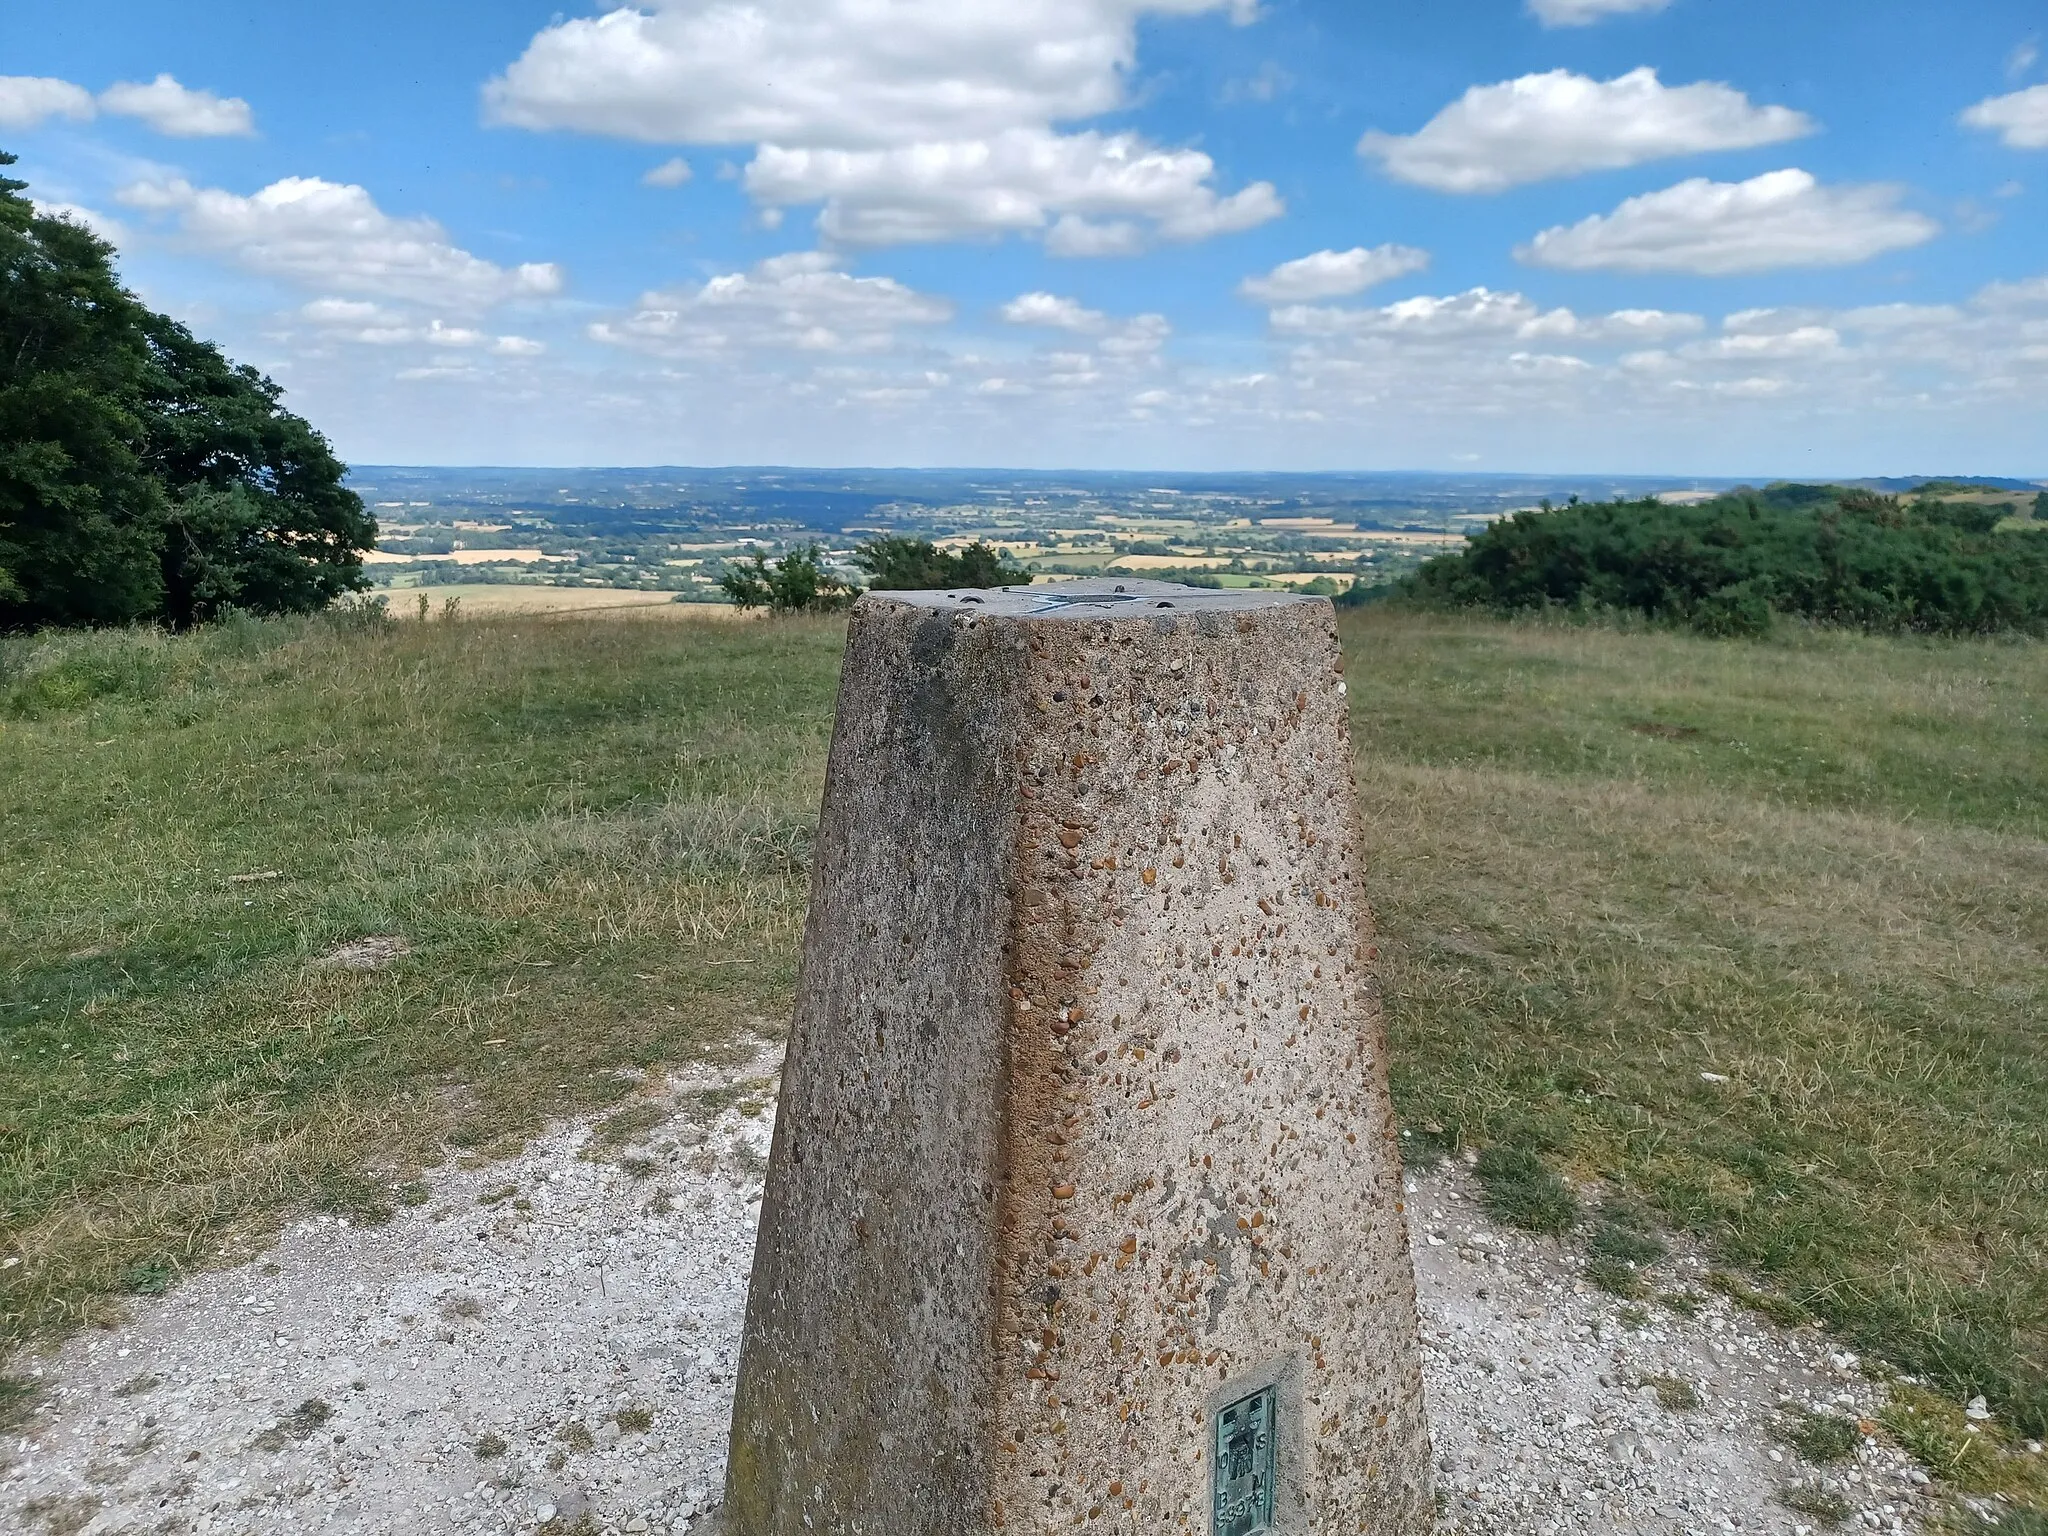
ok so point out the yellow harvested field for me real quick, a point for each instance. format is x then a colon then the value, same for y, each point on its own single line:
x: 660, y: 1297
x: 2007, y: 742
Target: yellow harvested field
x: 466, y: 557
x: 1169, y: 562
x: 489, y: 600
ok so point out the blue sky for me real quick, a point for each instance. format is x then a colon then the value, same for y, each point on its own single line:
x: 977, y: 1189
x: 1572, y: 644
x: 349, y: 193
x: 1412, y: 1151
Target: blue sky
x: 1668, y: 236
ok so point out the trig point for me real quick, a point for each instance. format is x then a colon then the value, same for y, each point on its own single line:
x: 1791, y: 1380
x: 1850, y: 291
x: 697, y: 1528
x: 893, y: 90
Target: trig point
x: 1084, y: 1206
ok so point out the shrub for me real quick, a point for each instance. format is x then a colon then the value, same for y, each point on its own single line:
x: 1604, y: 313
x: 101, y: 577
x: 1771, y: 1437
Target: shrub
x: 1727, y: 566
x: 909, y: 565
x: 797, y: 583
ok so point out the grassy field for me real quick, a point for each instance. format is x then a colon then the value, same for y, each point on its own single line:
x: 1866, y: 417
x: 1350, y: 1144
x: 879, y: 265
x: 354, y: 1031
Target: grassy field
x: 1607, y: 864
x: 591, y: 835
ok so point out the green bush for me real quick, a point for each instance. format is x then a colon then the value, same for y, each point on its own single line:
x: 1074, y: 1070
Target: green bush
x: 916, y: 565
x: 1729, y: 566
x: 797, y: 583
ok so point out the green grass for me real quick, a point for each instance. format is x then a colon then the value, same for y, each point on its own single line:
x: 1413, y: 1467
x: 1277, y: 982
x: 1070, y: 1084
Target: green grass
x: 592, y: 835
x: 1822, y: 877
x: 1520, y: 1191
x: 1818, y: 1500
x: 1605, y: 863
x: 1819, y: 1437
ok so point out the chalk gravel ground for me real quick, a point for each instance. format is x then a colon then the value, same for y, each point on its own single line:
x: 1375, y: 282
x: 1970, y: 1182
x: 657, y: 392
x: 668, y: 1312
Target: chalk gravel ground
x: 550, y: 1342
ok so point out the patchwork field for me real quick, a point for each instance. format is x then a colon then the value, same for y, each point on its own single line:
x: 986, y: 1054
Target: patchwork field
x: 1759, y: 932
x: 495, y: 599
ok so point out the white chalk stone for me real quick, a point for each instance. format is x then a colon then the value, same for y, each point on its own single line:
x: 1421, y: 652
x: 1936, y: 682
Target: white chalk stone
x: 1084, y: 1209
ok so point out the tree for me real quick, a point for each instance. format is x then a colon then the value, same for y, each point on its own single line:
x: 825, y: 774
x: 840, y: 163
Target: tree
x: 797, y: 583
x: 143, y: 476
x: 897, y: 564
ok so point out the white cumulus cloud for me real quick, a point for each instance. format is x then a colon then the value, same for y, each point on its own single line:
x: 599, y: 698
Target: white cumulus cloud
x: 1780, y: 219
x: 1333, y: 274
x: 1017, y: 181
x: 328, y: 235
x: 839, y: 73
x: 1562, y: 124
x: 178, y: 111
x: 1583, y: 13
x: 921, y: 120
x: 28, y: 101
x: 670, y: 173
x: 1050, y: 309
x: 804, y: 302
x: 2020, y: 119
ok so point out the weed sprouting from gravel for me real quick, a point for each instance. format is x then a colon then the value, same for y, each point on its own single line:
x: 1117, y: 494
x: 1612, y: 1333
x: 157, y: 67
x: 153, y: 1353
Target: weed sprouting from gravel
x: 361, y: 1199
x: 1675, y: 1394
x: 1819, y: 1437
x: 296, y: 1425
x: 576, y: 1435
x: 639, y: 1167
x: 17, y: 1400
x: 63, y: 1516
x: 1617, y: 1277
x: 152, y: 1277
x: 1424, y: 1147
x: 1782, y: 1310
x: 411, y: 1192
x: 1817, y: 1500
x: 631, y: 1124
x: 1521, y: 1192
x: 635, y: 1420
x: 1620, y: 1248
x: 460, y: 1305
x: 488, y: 1447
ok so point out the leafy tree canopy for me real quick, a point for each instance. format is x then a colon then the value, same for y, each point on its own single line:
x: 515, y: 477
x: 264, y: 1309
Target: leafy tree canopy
x: 797, y: 583
x: 1727, y: 566
x: 898, y: 564
x: 143, y: 476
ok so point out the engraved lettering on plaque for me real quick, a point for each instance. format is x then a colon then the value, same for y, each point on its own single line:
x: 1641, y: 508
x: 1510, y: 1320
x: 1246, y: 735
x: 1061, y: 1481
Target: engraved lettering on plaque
x: 1246, y: 1454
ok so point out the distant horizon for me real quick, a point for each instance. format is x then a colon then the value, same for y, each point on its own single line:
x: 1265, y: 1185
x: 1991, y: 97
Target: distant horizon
x: 1996, y: 481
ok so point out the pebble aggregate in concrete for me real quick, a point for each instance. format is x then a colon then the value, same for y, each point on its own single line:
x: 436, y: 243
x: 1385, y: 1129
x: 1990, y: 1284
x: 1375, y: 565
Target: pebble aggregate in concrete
x: 346, y: 1383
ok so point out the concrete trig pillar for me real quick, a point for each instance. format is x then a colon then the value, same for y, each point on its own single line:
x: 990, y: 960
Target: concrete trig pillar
x: 1084, y: 1210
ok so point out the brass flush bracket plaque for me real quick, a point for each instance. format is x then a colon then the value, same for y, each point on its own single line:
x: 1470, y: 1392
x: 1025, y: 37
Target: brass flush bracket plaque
x: 1246, y: 1451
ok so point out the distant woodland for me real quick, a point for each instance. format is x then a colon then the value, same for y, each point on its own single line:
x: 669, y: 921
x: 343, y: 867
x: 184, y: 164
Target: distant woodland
x: 1931, y: 562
